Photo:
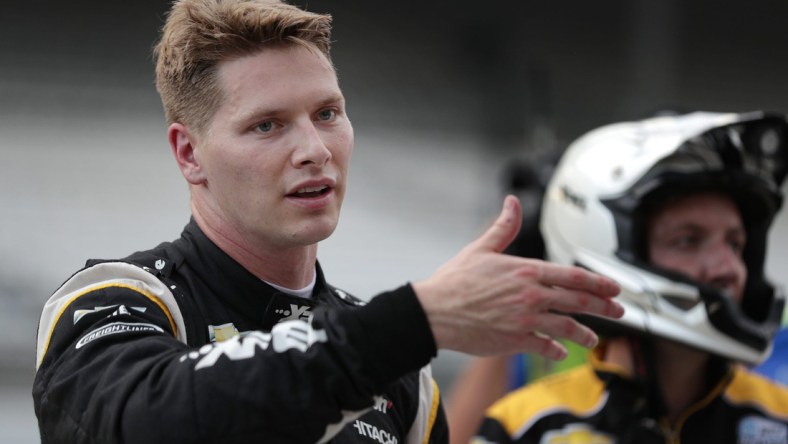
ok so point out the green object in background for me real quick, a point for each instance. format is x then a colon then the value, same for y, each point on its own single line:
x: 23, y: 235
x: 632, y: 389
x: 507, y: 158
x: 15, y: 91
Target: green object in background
x: 526, y: 368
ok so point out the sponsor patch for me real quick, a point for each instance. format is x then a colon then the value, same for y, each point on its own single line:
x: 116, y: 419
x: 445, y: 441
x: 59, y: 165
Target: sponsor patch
x: 374, y: 433
x: 382, y: 404
x: 284, y: 337
x: 758, y: 430
x: 577, y: 434
x: 115, y: 328
x: 294, y: 313
x: 79, y: 314
x: 219, y: 333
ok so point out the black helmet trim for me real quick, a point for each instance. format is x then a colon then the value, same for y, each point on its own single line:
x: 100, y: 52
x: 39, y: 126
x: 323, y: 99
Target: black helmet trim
x: 725, y: 315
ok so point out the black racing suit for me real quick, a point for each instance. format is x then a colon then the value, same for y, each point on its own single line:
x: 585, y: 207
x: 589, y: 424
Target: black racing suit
x: 147, y: 350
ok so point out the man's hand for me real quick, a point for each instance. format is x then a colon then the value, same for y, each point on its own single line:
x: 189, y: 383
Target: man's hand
x: 484, y: 302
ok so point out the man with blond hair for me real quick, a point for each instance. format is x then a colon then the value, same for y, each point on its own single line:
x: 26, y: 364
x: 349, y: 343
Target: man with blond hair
x: 231, y: 333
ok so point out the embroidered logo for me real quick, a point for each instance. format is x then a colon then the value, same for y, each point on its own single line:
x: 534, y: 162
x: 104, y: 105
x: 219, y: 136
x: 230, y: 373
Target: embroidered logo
x: 218, y: 333
x: 115, y: 328
x: 79, y: 314
x: 758, y: 430
x: 382, y: 404
x: 370, y: 431
x: 295, y: 313
x: 283, y: 337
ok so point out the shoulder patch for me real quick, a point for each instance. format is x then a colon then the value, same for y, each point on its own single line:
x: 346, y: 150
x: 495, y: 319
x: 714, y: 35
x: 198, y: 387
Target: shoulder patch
x: 577, y: 391
x: 758, y: 392
x: 759, y: 430
x: 116, y: 328
x: 98, y: 277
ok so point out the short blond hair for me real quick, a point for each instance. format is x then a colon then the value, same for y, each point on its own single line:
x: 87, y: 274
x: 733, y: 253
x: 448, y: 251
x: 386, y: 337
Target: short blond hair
x: 198, y: 34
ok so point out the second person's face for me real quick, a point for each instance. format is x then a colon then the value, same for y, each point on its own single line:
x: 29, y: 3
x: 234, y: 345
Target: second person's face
x: 701, y: 236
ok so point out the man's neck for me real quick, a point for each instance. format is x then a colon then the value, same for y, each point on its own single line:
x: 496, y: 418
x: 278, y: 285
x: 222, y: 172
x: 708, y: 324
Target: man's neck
x: 680, y: 370
x: 291, y: 267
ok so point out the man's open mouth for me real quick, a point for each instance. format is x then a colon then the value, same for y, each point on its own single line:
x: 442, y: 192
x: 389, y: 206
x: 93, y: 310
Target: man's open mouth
x: 311, y: 191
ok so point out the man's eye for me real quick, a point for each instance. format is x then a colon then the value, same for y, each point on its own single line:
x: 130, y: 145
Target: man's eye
x: 737, y: 245
x: 265, y: 127
x: 687, y: 241
x: 326, y: 114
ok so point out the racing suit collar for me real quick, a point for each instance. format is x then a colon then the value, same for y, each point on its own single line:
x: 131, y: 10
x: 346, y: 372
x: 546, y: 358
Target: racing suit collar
x: 242, y: 291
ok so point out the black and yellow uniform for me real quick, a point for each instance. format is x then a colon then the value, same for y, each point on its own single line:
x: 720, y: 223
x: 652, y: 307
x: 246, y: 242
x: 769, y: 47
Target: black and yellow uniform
x: 598, y: 404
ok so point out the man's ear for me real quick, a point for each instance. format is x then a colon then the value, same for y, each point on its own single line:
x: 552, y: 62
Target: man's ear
x: 183, y: 144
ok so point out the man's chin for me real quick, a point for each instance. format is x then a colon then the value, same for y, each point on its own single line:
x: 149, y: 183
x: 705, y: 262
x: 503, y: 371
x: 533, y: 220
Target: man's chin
x: 315, y: 233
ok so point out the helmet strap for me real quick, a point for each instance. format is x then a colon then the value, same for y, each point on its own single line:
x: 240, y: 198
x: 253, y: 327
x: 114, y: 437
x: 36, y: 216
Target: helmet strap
x: 645, y: 372
x: 650, y: 405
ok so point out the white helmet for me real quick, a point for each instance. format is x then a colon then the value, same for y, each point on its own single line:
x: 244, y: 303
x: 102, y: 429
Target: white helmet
x: 592, y: 216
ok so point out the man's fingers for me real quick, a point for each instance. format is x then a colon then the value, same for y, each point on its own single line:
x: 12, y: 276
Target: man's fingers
x: 558, y: 326
x: 540, y: 344
x: 541, y: 333
x: 576, y: 278
x: 504, y: 229
x: 573, y: 301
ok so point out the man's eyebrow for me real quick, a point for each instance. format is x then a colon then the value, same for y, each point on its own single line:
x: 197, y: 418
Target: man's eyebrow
x: 695, y: 226
x: 333, y: 98
x: 263, y: 112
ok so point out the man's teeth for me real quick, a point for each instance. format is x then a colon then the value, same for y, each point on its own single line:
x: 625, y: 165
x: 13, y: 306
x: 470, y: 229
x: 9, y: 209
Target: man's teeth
x: 311, y: 191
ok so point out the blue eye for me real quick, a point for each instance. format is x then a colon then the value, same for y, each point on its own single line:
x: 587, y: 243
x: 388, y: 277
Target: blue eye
x: 265, y: 127
x: 326, y: 114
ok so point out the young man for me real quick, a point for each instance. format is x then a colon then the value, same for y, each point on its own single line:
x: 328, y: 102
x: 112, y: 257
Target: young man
x: 231, y: 333
x: 677, y: 209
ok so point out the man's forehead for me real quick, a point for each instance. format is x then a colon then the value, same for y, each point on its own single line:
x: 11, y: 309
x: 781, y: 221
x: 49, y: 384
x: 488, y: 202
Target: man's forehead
x: 279, y: 77
x: 697, y: 209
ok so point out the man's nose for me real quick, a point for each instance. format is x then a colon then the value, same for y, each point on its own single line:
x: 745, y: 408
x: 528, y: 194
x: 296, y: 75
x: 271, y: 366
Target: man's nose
x: 309, y: 146
x: 723, y: 267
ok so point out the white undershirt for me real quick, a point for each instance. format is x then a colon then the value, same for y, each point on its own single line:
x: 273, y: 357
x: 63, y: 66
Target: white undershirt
x: 305, y: 292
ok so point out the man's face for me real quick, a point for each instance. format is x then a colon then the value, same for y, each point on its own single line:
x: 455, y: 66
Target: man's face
x: 702, y: 236
x: 275, y: 156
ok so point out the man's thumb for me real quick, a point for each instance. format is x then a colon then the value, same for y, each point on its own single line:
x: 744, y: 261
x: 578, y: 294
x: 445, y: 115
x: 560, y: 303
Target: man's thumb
x: 505, y: 228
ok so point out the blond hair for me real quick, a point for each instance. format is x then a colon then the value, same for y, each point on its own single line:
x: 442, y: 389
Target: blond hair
x: 198, y: 34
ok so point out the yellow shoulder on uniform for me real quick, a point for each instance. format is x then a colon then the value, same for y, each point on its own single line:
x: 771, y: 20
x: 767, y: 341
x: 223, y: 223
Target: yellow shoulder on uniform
x: 757, y: 391
x: 577, y: 391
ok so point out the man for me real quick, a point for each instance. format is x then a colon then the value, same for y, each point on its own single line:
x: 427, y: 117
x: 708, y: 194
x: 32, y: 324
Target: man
x: 231, y: 333
x: 677, y: 209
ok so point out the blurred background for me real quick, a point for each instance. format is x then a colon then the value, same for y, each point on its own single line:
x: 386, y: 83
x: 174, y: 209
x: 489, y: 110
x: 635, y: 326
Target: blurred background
x: 443, y: 96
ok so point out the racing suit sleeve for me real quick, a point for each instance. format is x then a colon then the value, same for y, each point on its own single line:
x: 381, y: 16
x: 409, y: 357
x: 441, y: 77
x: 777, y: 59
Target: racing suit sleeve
x: 113, y: 366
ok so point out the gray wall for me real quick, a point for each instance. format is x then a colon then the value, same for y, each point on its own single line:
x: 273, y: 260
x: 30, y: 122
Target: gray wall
x: 442, y: 95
